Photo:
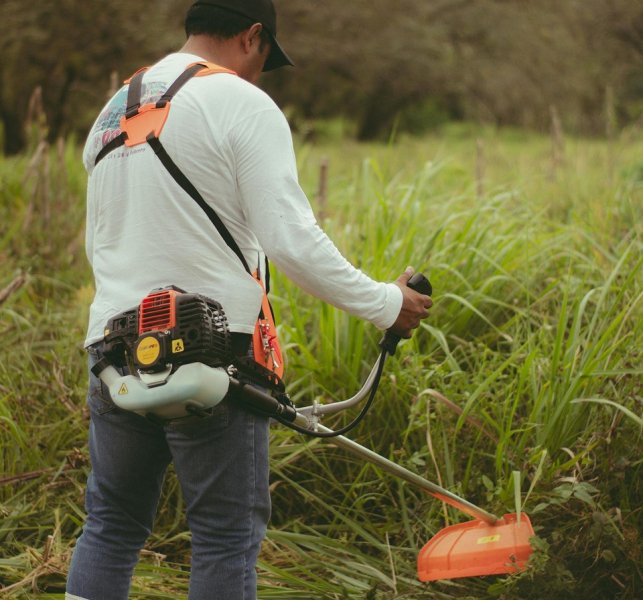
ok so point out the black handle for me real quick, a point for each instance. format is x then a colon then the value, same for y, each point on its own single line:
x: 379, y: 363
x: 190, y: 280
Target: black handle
x: 420, y: 284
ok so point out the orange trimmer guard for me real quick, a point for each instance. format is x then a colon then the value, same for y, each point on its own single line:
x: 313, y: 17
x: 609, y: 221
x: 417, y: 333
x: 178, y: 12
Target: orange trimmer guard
x: 477, y: 548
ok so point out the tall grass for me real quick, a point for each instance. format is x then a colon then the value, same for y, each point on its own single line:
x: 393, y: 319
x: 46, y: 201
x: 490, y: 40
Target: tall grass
x: 528, y: 365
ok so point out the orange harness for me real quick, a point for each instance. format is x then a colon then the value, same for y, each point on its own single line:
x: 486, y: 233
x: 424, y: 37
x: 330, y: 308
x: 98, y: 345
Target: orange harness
x: 144, y: 124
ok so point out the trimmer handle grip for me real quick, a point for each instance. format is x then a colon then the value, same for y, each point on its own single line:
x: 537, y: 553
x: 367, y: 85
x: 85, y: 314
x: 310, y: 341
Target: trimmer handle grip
x: 420, y: 284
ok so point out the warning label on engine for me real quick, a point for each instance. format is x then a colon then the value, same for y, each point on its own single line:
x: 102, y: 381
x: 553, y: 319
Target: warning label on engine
x: 177, y: 346
x: 123, y: 390
x: 148, y: 350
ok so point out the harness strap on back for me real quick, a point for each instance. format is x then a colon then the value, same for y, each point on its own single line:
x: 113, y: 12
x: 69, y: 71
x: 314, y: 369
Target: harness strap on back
x: 117, y: 142
x: 181, y: 80
x: 134, y: 94
x: 131, y: 110
x: 186, y: 184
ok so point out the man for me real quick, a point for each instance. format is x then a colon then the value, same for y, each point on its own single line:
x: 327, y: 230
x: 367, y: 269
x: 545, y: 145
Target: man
x: 145, y: 232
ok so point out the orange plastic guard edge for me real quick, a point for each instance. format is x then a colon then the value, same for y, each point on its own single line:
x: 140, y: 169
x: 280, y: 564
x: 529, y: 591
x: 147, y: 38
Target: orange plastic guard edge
x: 265, y: 343
x: 477, y: 548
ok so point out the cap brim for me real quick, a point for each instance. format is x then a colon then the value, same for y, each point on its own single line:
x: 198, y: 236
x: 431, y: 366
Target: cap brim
x: 278, y: 58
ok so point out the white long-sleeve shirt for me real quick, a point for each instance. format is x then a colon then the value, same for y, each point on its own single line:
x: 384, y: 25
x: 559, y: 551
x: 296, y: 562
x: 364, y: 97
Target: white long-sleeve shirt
x: 234, y: 144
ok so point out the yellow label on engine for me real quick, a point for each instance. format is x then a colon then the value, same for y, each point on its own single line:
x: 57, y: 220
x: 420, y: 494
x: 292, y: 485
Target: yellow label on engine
x: 148, y: 350
x: 488, y: 539
x: 177, y: 346
x: 123, y: 390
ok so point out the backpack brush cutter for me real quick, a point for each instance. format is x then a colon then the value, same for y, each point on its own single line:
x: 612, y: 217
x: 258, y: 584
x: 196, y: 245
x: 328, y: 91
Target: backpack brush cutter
x: 179, y: 346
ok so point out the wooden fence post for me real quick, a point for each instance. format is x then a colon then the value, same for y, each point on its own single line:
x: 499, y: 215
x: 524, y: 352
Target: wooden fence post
x: 322, y: 191
x: 46, y: 191
x: 35, y: 113
x: 113, y: 84
x: 34, y: 169
x: 479, y: 168
x: 61, y: 173
x: 557, y: 140
x: 610, y: 129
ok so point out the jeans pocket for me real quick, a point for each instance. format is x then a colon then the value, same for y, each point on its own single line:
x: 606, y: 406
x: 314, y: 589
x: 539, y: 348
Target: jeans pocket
x: 98, y: 397
x: 194, y: 427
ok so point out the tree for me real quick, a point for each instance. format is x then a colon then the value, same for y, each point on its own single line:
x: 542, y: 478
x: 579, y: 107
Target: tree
x: 365, y: 59
x: 70, y: 47
x: 499, y: 61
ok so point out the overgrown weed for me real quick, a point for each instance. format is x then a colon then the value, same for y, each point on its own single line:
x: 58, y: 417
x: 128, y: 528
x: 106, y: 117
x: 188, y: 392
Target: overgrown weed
x: 529, y: 363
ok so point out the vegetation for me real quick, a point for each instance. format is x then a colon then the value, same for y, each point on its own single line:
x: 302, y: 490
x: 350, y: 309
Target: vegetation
x: 499, y: 62
x: 529, y: 362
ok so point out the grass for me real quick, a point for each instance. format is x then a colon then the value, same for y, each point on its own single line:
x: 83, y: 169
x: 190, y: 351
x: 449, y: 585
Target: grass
x: 522, y: 391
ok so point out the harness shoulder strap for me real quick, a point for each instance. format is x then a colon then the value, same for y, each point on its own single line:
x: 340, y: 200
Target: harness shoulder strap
x: 134, y: 93
x: 117, y: 142
x: 133, y: 104
x: 180, y: 81
x: 187, y: 186
x: 199, y: 69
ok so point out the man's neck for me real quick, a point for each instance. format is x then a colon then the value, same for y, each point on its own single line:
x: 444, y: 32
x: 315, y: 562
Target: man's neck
x: 215, y: 51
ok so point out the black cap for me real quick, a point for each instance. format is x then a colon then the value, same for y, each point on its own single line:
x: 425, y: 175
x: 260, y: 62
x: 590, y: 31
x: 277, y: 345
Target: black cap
x: 259, y: 11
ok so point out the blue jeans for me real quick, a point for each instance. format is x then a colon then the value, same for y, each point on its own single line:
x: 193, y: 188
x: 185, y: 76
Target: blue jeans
x: 222, y: 466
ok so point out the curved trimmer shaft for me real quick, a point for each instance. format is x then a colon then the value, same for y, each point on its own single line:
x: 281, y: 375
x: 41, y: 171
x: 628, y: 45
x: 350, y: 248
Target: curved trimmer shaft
x: 410, y: 477
x: 267, y: 404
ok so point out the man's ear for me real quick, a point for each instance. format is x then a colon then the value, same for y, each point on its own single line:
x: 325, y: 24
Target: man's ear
x: 252, y: 36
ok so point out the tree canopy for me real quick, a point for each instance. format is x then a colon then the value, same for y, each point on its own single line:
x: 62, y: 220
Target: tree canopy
x: 497, y: 61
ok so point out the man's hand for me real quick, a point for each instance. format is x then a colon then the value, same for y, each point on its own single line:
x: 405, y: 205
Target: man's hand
x: 415, y: 307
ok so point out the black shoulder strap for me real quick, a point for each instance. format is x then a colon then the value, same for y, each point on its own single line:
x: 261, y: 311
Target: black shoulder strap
x: 117, y: 142
x: 186, y: 184
x: 131, y: 109
x: 181, y: 80
x: 134, y: 94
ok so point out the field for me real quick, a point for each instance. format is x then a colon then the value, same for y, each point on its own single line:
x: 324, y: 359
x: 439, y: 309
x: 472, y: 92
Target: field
x: 527, y: 373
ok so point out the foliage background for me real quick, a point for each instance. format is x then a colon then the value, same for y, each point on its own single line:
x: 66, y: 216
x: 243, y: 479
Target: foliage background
x: 501, y: 62
x: 529, y: 363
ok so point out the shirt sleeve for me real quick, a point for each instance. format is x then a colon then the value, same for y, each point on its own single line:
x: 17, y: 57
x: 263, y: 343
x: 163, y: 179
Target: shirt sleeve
x: 279, y: 214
